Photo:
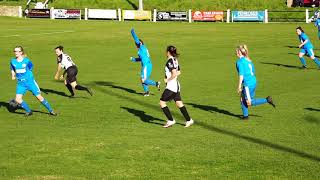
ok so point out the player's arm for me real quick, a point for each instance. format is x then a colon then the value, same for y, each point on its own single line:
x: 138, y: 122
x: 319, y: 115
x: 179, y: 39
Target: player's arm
x: 13, y: 74
x: 135, y: 37
x: 56, y: 77
x: 241, y: 73
x: 303, y: 42
x: 174, y: 74
x: 133, y: 59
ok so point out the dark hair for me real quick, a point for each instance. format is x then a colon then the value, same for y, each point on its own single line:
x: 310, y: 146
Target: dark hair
x: 173, y: 51
x: 21, y: 48
x: 300, y: 28
x: 140, y: 42
x: 60, y: 48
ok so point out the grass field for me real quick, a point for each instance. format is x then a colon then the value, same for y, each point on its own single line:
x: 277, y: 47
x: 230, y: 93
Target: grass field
x: 117, y: 133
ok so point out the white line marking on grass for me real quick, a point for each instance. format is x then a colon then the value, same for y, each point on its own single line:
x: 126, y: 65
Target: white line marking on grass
x: 38, y: 34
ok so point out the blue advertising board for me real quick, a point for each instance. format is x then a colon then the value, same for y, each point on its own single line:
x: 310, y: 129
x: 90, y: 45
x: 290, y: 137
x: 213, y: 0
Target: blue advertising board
x: 248, y: 16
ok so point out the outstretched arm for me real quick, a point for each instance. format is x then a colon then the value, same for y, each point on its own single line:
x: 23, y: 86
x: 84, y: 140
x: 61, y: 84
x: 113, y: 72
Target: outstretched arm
x: 56, y: 77
x: 135, y: 37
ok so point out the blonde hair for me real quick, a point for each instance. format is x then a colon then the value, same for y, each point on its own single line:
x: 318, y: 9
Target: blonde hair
x: 243, y: 49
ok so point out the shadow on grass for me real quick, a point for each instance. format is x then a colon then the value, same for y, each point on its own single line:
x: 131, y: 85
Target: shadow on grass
x: 133, y: 5
x: 217, y: 129
x: 145, y: 117
x: 110, y: 84
x: 216, y: 109
x: 7, y: 106
x: 47, y: 91
x: 312, y: 119
x: 312, y: 109
x: 282, y: 65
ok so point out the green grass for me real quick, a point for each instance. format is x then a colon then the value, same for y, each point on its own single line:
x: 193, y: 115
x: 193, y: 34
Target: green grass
x: 166, y: 4
x: 117, y: 134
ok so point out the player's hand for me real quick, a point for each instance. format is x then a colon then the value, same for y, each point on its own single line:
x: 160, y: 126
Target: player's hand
x: 56, y: 77
x: 300, y: 46
x: 133, y: 59
x: 61, y: 77
x: 165, y: 80
x: 13, y: 77
x: 239, y: 90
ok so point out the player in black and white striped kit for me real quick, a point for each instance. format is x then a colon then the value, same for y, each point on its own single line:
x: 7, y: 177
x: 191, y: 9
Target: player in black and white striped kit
x: 65, y: 62
x: 172, y: 91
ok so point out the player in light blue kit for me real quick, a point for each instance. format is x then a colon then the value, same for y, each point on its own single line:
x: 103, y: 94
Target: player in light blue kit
x: 317, y: 22
x: 144, y: 58
x: 247, y: 82
x: 21, y: 69
x: 306, y: 48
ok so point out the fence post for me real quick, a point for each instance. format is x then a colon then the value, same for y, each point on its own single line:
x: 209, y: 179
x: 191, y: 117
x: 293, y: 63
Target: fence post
x: 20, y: 11
x: 85, y: 13
x: 155, y: 15
x: 228, y: 15
x: 51, y: 13
x: 266, y: 16
x: 307, y: 16
x: 190, y: 16
x: 119, y: 14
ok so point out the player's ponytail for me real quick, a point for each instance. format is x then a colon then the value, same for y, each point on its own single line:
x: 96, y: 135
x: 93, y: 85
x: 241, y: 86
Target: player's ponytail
x: 173, y: 51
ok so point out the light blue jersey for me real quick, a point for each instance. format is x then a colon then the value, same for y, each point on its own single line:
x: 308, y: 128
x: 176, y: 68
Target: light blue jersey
x: 24, y: 75
x: 22, y: 69
x: 246, y: 69
x: 317, y: 24
x: 143, y: 52
x: 303, y: 37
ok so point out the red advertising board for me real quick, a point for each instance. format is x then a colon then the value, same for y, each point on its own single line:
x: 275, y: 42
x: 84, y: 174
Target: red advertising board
x: 207, y: 16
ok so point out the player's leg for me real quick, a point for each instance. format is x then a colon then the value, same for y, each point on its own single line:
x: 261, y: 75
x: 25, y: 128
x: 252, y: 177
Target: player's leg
x: 143, y: 78
x: 254, y: 101
x: 34, y: 88
x: 244, y: 105
x: 148, y: 81
x: 167, y: 96
x: 301, y: 58
x: 20, y: 91
x: 72, y: 80
x: 313, y: 57
x: 183, y: 110
x: 69, y: 87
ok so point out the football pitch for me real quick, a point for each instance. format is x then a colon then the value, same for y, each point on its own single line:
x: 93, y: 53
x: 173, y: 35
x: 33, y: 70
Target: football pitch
x: 118, y: 134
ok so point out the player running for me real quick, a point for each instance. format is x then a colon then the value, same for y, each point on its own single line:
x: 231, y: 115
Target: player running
x: 172, y: 91
x: 306, y: 48
x: 65, y: 62
x: 247, y: 82
x: 317, y: 24
x: 21, y: 69
x: 144, y: 58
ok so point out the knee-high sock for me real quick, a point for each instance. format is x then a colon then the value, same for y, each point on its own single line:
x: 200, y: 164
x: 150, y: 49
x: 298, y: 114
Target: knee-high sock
x: 167, y: 112
x: 70, y: 89
x: 303, y: 61
x: 81, y: 88
x: 258, y: 101
x: 244, y: 107
x: 25, y: 106
x: 150, y: 82
x: 316, y: 60
x: 46, y: 104
x: 185, y: 113
x: 145, y: 87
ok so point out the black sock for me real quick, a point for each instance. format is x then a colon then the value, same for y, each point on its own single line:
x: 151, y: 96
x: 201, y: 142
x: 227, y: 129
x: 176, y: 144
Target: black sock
x: 70, y: 89
x: 167, y: 112
x: 81, y: 88
x: 185, y: 113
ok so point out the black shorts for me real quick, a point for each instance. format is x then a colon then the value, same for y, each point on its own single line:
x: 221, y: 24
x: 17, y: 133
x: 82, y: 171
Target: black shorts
x: 72, y: 72
x: 168, y: 95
